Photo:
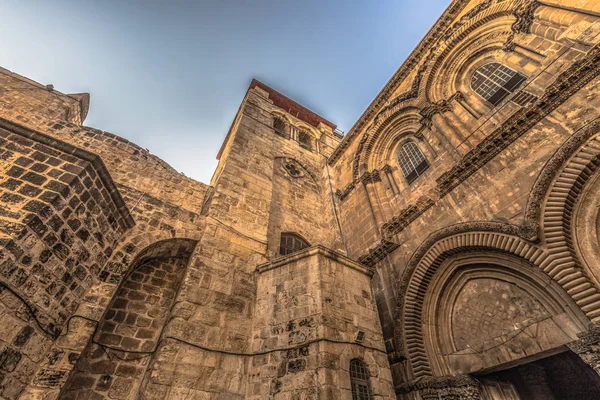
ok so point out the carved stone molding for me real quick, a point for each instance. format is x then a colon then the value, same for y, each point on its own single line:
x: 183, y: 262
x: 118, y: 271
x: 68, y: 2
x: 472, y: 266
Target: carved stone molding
x: 553, y: 169
x: 566, y: 84
x: 524, y: 20
x: 524, y: 16
x: 474, y: 236
x: 588, y: 346
x: 407, y: 67
x: 446, y: 387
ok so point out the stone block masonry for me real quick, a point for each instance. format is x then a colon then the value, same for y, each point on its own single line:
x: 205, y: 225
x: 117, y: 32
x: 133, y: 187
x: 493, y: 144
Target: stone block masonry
x: 311, y: 307
x: 60, y: 219
x: 114, y: 364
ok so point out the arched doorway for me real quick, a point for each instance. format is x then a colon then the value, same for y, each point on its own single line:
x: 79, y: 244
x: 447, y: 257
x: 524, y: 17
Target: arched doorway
x: 497, y: 317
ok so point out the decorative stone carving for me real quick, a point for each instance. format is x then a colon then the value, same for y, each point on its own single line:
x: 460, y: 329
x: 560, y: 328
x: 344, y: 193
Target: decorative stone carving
x: 573, y: 79
x: 588, y: 346
x: 524, y: 20
x: 444, y: 388
x: 410, y: 64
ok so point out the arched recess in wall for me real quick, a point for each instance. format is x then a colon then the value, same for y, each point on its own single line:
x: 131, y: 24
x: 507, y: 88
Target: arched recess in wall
x: 116, y: 359
x: 485, y: 309
x: 480, y: 237
x: 447, y: 75
x: 378, y: 146
x: 562, y: 211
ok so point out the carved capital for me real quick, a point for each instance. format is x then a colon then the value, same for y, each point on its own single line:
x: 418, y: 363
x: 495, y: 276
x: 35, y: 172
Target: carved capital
x: 509, y: 45
x: 387, y: 169
x: 588, y: 346
x: 524, y: 16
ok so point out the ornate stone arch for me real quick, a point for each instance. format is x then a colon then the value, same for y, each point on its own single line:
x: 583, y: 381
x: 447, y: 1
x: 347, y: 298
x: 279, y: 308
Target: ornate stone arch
x: 486, y: 308
x: 553, y: 203
x: 494, y: 19
x: 474, y: 236
x: 425, y: 261
x: 390, y: 126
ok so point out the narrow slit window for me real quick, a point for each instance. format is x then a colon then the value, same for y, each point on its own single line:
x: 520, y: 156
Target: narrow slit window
x: 495, y: 81
x: 360, y: 381
x: 291, y: 243
x: 412, y: 161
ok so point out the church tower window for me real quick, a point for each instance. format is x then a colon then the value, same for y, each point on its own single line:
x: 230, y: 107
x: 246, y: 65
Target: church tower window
x: 495, y: 81
x: 305, y: 140
x: 280, y: 127
x: 412, y: 161
x: 359, y: 379
x: 291, y: 243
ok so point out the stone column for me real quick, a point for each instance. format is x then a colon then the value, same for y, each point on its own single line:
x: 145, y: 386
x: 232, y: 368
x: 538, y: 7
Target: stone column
x: 588, y: 346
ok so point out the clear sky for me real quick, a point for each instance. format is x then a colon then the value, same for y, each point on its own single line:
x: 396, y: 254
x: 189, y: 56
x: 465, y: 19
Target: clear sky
x: 169, y: 75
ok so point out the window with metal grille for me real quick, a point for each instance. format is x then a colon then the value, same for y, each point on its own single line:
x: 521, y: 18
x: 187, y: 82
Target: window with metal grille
x: 280, y: 127
x: 412, y: 161
x: 359, y: 379
x: 495, y: 81
x: 291, y: 243
x: 305, y: 140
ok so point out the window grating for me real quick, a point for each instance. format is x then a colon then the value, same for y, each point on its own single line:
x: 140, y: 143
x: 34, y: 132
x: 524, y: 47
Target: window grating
x: 305, y: 140
x: 412, y: 161
x: 495, y: 81
x: 291, y: 243
x: 359, y: 378
x: 280, y: 127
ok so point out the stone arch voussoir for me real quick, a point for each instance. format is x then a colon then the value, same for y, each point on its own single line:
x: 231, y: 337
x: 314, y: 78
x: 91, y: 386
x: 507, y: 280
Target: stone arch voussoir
x: 475, y: 236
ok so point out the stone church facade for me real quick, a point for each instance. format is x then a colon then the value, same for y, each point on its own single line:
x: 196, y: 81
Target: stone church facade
x: 446, y: 247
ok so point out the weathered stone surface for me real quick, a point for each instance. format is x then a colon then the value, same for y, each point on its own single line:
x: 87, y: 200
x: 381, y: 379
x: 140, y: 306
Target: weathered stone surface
x: 123, y: 279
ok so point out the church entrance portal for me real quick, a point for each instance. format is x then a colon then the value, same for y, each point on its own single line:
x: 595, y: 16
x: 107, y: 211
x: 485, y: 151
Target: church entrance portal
x: 562, y: 376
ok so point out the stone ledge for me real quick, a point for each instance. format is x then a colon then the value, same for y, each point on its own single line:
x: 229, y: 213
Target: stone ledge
x: 309, y: 252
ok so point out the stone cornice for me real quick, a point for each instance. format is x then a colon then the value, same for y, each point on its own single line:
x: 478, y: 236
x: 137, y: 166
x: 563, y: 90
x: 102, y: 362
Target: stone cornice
x: 126, y: 219
x: 566, y: 84
x: 312, y: 251
x: 435, y: 33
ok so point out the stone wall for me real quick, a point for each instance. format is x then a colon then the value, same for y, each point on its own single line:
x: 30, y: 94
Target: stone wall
x: 310, y: 306
x: 60, y: 220
x: 113, y: 365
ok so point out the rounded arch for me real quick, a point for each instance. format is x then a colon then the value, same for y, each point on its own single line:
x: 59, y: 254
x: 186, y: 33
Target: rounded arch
x: 134, y: 244
x: 482, y: 307
x: 134, y: 319
x: 489, y: 28
x: 555, y: 202
x: 282, y: 115
x: 388, y: 128
x: 479, y: 236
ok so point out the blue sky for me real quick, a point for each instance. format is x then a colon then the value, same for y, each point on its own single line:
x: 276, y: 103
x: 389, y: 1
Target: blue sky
x: 170, y: 75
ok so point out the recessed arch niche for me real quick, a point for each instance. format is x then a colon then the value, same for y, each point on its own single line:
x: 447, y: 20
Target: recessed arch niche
x: 484, y: 310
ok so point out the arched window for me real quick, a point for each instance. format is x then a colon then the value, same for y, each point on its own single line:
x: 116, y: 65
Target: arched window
x: 359, y: 379
x: 280, y: 127
x: 495, y: 81
x: 412, y: 161
x: 305, y: 140
x: 291, y: 243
